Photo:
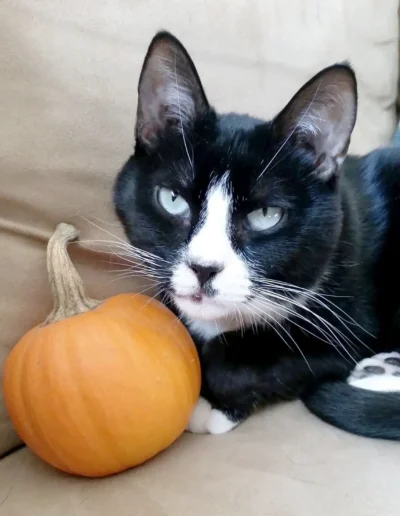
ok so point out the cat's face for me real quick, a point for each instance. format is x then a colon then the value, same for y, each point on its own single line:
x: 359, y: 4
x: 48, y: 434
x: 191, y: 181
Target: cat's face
x: 237, y: 216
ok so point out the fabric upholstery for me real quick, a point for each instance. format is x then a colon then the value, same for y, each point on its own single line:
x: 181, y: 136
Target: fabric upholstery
x: 280, y: 463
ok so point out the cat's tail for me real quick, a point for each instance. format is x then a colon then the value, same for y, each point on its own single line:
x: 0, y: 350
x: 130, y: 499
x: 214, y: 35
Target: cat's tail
x: 356, y: 410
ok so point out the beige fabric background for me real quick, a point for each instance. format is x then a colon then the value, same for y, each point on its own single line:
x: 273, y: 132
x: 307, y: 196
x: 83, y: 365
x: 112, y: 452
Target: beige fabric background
x: 68, y: 80
x: 284, y: 463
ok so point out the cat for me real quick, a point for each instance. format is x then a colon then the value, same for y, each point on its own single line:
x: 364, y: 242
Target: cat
x: 276, y: 249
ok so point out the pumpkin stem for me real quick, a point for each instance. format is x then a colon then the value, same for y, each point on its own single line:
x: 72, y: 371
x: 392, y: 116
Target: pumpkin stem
x: 66, y: 284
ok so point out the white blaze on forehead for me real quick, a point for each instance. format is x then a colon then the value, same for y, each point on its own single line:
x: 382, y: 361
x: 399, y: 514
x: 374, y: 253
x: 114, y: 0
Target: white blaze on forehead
x: 211, y: 244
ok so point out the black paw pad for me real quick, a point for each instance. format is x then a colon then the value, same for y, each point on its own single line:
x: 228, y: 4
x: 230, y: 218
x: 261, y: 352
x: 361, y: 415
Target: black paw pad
x: 393, y: 361
x: 373, y: 369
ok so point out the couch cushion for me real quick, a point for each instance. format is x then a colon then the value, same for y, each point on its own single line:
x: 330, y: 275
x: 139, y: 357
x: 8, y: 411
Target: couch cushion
x: 68, y: 89
x: 280, y: 463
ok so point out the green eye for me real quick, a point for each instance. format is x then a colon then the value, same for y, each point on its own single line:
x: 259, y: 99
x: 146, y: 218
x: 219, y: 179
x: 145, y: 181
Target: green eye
x: 172, y: 203
x: 264, y: 218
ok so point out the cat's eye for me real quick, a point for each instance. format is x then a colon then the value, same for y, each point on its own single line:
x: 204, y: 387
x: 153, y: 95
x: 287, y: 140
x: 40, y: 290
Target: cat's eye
x: 264, y: 218
x: 173, y: 203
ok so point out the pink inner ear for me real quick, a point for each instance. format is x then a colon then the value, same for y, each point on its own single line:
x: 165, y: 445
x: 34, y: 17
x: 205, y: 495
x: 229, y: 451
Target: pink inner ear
x: 148, y: 134
x: 170, y: 93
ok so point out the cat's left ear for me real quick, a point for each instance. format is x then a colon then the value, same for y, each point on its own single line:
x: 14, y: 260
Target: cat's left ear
x: 171, y: 96
x: 321, y: 116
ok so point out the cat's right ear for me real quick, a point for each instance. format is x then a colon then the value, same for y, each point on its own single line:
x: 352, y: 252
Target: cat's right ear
x: 171, y: 96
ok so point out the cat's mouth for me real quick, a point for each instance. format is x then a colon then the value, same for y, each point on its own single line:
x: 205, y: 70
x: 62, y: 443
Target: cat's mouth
x: 201, y: 305
x: 197, y: 297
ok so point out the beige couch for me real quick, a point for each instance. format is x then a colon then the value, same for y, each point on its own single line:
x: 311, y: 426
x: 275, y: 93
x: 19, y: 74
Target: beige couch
x: 68, y: 90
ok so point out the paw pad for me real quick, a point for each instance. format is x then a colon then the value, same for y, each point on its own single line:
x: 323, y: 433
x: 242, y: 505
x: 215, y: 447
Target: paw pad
x: 374, y: 369
x: 393, y: 361
x: 378, y: 373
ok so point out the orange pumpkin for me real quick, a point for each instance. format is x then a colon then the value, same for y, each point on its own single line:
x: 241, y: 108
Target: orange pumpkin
x: 100, y: 387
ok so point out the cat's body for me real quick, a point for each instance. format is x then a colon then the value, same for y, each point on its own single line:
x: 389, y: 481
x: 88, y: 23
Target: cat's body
x: 282, y: 261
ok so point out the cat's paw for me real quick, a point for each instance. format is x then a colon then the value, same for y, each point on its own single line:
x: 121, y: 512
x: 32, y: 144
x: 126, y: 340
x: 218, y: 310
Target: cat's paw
x: 378, y: 373
x: 206, y: 420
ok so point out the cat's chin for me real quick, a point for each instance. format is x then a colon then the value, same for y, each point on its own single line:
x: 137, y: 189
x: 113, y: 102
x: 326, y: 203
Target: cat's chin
x: 208, y: 309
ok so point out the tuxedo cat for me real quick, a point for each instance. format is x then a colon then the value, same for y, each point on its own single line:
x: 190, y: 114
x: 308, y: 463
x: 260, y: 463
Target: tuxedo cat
x: 280, y: 254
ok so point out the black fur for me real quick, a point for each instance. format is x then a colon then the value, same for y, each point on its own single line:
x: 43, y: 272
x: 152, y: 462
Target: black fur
x: 341, y: 231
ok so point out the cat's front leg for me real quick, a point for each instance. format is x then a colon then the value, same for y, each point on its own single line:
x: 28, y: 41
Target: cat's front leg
x: 232, y: 387
x: 241, y: 376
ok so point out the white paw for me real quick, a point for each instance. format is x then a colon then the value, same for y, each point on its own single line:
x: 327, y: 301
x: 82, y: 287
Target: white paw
x: 206, y: 420
x: 378, y: 373
x: 199, y: 418
x: 219, y: 423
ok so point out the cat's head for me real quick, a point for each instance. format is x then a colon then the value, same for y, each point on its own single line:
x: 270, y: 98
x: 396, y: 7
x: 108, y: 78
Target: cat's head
x: 234, y: 216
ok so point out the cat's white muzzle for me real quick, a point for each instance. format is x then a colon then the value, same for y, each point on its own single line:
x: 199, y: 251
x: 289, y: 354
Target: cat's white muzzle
x: 229, y: 292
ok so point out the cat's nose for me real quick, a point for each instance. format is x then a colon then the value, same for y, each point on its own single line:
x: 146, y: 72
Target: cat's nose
x: 205, y: 273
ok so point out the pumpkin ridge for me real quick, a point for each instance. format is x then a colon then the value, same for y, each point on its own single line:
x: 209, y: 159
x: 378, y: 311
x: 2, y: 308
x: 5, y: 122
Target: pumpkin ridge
x: 40, y: 433
x: 68, y: 398
x: 101, y: 425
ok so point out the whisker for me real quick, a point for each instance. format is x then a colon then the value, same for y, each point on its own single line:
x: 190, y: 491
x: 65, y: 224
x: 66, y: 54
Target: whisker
x: 152, y: 298
x: 180, y: 117
x: 107, y: 222
x: 316, y: 297
x: 333, y: 331
x: 130, y: 251
x: 341, y: 319
x: 326, y: 340
x: 291, y: 338
x: 290, y: 134
x: 104, y: 230
x: 121, y: 242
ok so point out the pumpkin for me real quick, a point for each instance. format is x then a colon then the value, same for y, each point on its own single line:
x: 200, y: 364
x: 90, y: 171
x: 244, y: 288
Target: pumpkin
x: 100, y: 387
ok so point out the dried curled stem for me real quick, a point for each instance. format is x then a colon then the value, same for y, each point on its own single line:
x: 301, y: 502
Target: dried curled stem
x: 66, y: 285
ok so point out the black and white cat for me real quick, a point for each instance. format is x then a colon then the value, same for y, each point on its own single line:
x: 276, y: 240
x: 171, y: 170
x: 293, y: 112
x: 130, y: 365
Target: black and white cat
x: 281, y: 257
